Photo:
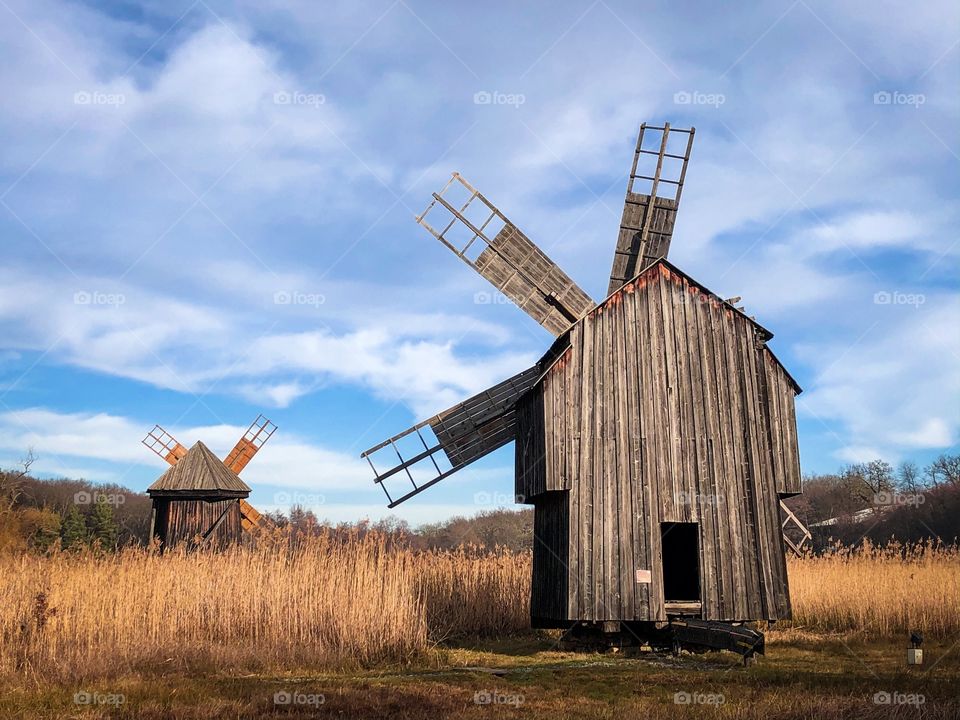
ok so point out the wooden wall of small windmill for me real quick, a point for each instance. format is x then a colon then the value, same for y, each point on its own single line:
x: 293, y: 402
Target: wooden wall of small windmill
x: 666, y: 397
x: 183, y: 520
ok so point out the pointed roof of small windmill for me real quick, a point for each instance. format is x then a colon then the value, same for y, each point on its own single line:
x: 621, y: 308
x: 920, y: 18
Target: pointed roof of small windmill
x: 202, y: 472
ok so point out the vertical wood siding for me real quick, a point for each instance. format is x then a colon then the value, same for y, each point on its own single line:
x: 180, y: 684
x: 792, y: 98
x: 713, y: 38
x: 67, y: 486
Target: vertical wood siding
x: 667, y: 407
x: 181, y: 521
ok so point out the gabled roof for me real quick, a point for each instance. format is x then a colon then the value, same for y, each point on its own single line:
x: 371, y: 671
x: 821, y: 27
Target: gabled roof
x: 562, y: 342
x: 200, y: 472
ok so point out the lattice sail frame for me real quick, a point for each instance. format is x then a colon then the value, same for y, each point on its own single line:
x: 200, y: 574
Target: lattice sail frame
x: 257, y: 434
x: 510, y: 260
x: 162, y: 443
x: 465, y: 433
x: 646, y: 225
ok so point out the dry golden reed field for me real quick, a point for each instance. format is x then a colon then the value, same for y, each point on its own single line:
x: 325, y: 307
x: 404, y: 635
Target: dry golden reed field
x: 879, y: 591
x: 357, y: 601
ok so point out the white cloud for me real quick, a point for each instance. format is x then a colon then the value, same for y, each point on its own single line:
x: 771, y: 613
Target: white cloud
x: 933, y: 433
x: 861, y: 454
x: 893, y: 389
x: 158, y: 339
x: 61, y: 439
x: 875, y: 229
x: 54, y: 434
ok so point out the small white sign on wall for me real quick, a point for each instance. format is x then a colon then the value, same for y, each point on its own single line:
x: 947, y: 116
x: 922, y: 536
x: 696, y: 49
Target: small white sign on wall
x: 643, y: 576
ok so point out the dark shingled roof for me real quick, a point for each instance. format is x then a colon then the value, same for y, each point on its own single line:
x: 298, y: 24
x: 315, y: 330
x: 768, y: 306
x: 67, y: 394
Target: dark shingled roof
x: 200, y: 471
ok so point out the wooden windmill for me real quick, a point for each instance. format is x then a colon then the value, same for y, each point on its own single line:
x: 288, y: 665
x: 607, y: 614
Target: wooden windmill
x: 655, y: 438
x: 202, y: 498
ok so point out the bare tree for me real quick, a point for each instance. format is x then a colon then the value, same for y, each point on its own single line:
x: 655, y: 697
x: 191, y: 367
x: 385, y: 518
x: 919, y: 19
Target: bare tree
x: 11, y: 481
x: 867, y: 480
x: 908, y: 477
x: 944, y: 470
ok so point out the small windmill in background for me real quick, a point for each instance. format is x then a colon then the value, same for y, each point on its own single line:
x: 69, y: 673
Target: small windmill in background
x: 201, y: 496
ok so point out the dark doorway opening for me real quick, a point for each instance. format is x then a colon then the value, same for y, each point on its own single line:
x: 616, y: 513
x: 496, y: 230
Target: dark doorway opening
x: 681, y: 561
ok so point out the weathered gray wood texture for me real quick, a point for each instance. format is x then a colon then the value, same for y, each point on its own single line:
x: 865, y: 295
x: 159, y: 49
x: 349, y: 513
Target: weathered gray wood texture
x: 522, y: 272
x: 632, y: 253
x: 667, y: 407
x: 482, y: 423
x: 183, y: 521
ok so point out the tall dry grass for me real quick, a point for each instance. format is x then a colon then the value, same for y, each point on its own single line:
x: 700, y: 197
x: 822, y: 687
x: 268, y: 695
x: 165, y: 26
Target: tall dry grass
x: 878, y: 591
x: 330, y: 600
x: 359, y: 601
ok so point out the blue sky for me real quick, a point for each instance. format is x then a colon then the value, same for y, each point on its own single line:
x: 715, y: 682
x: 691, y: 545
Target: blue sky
x: 174, y: 171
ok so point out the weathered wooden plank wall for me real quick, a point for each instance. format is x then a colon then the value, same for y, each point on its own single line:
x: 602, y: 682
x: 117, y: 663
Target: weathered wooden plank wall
x: 666, y: 408
x: 180, y: 521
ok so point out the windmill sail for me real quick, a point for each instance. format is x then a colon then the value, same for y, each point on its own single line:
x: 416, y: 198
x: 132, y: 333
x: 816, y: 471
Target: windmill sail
x: 464, y: 433
x: 251, y: 520
x: 164, y: 444
x: 500, y: 252
x: 253, y: 439
x: 646, y: 226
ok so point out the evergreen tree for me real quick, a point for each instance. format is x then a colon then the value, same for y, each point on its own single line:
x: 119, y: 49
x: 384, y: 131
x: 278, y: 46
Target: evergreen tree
x: 102, y: 525
x: 73, y: 530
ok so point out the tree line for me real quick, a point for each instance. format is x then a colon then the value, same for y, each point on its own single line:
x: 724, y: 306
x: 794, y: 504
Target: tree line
x: 874, y: 501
